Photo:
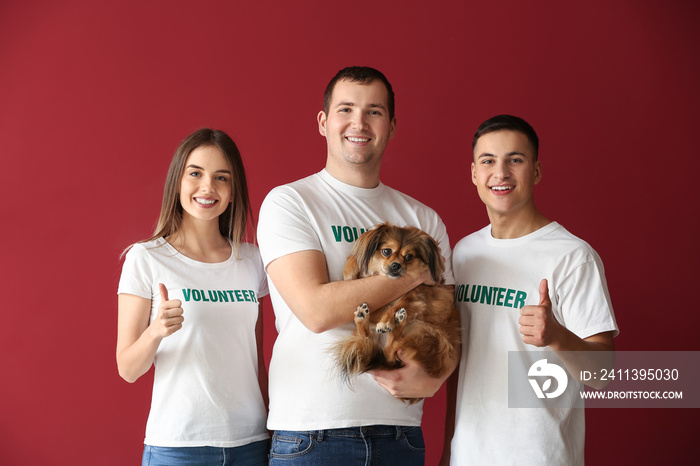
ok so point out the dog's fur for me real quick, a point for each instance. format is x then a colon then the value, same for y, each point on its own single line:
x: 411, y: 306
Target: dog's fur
x: 423, y: 324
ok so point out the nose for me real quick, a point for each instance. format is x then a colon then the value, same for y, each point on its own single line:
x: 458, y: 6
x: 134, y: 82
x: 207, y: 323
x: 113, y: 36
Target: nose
x: 207, y: 184
x: 501, y: 170
x: 395, y: 267
x: 359, y: 120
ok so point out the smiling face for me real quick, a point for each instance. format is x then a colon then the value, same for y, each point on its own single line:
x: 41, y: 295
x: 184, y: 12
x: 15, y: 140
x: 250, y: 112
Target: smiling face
x: 205, y: 187
x: 357, y: 127
x: 505, y: 173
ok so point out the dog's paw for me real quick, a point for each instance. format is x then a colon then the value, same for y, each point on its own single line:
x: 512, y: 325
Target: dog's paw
x: 383, y: 327
x: 362, y: 311
x: 399, y: 316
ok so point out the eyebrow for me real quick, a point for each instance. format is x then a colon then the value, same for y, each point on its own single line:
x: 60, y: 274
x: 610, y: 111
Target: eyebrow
x: 197, y: 167
x: 351, y: 104
x: 509, y: 154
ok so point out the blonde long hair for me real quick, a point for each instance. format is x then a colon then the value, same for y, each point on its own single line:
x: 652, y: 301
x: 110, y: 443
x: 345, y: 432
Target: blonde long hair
x: 233, y: 221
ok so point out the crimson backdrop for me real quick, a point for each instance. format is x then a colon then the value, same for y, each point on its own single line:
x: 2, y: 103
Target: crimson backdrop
x: 95, y: 96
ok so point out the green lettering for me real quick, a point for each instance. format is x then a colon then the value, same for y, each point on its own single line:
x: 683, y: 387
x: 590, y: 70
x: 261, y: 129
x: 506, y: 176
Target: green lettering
x: 204, y: 297
x: 474, y: 297
x: 459, y: 296
x: 336, y: 233
x: 186, y: 293
x: 196, y: 296
x: 239, y: 296
x: 245, y: 295
x: 487, y: 293
x: 222, y: 296
x: 230, y: 294
x: 499, y: 299
x: 347, y: 234
x: 213, y: 297
x: 509, y: 298
x: 252, y: 296
x: 520, y: 297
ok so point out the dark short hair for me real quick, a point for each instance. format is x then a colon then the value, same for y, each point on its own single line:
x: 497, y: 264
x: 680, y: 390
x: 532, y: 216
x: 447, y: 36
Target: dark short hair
x: 508, y: 123
x: 362, y: 75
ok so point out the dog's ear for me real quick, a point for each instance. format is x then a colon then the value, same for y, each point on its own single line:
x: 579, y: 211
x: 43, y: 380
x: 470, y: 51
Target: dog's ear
x: 351, y: 269
x: 362, y: 252
x: 433, y: 258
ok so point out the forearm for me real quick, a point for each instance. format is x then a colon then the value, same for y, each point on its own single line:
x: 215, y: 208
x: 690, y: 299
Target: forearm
x: 333, y: 304
x: 136, y: 359
x: 136, y: 343
x: 590, y: 354
x: 321, y: 304
x: 540, y: 328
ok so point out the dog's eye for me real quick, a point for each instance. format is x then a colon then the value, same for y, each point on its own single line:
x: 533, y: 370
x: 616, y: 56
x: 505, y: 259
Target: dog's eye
x: 386, y: 252
x: 408, y: 258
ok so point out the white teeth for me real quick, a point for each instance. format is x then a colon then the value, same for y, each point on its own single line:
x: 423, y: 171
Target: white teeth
x: 351, y: 139
x: 501, y: 188
x: 206, y: 201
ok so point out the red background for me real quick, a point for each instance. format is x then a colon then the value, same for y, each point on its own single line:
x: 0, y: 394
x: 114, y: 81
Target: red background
x: 95, y: 97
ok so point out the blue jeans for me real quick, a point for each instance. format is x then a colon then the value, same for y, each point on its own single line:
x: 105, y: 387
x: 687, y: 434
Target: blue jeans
x: 354, y: 446
x: 253, y: 454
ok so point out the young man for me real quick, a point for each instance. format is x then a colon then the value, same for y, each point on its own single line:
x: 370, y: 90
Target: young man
x: 305, y: 232
x: 551, y: 296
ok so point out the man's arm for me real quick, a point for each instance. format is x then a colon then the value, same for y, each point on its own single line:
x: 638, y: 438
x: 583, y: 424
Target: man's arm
x: 302, y: 280
x: 540, y: 328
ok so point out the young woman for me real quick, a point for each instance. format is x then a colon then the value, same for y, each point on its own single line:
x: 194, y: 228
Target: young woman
x: 190, y: 304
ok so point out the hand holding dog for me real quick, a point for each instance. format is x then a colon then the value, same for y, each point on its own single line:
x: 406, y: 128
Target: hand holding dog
x: 411, y: 381
x: 424, y: 276
x: 538, y: 325
x: 169, y: 319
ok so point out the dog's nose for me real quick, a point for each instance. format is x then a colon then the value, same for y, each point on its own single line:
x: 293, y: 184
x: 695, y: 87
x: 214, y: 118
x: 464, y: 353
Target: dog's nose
x: 395, y: 267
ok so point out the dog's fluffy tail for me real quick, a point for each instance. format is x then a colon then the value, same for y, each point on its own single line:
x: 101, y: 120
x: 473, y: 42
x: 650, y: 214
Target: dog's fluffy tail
x: 356, y: 355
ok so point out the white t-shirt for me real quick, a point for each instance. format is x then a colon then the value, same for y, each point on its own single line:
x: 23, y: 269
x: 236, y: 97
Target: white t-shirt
x: 494, y: 279
x: 321, y: 213
x: 205, y: 389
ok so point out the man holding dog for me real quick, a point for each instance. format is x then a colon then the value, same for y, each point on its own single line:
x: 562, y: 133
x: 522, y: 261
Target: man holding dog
x: 306, y: 231
x: 552, y: 297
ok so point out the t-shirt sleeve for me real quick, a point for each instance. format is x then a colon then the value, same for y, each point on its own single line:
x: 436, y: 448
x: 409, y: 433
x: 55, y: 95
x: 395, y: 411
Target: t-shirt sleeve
x: 263, y: 289
x: 284, y: 226
x: 444, y: 243
x: 585, y: 302
x: 136, y: 277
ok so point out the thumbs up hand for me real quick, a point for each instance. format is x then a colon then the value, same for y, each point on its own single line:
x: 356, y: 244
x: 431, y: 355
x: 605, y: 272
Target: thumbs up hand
x: 169, y: 319
x: 538, y: 325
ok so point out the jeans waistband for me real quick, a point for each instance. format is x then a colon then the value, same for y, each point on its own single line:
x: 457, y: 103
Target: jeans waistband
x: 363, y: 431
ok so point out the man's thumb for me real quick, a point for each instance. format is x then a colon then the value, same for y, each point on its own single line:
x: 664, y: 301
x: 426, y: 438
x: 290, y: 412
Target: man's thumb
x: 163, y: 292
x: 544, y: 293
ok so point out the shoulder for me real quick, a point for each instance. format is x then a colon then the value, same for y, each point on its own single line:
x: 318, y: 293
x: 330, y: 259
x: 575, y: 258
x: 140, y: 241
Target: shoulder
x: 295, y: 188
x: 288, y: 198
x: 147, y: 248
x: 568, y: 244
x: 425, y: 217
x: 472, y: 238
x: 397, y: 195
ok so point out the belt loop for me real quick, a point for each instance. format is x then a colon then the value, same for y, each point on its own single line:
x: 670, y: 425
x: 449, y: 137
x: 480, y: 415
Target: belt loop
x: 319, y: 434
x: 398, y: 432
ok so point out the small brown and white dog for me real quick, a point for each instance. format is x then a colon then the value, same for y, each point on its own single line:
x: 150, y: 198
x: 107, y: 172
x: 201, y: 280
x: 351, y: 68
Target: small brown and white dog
x: 423, y: 324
